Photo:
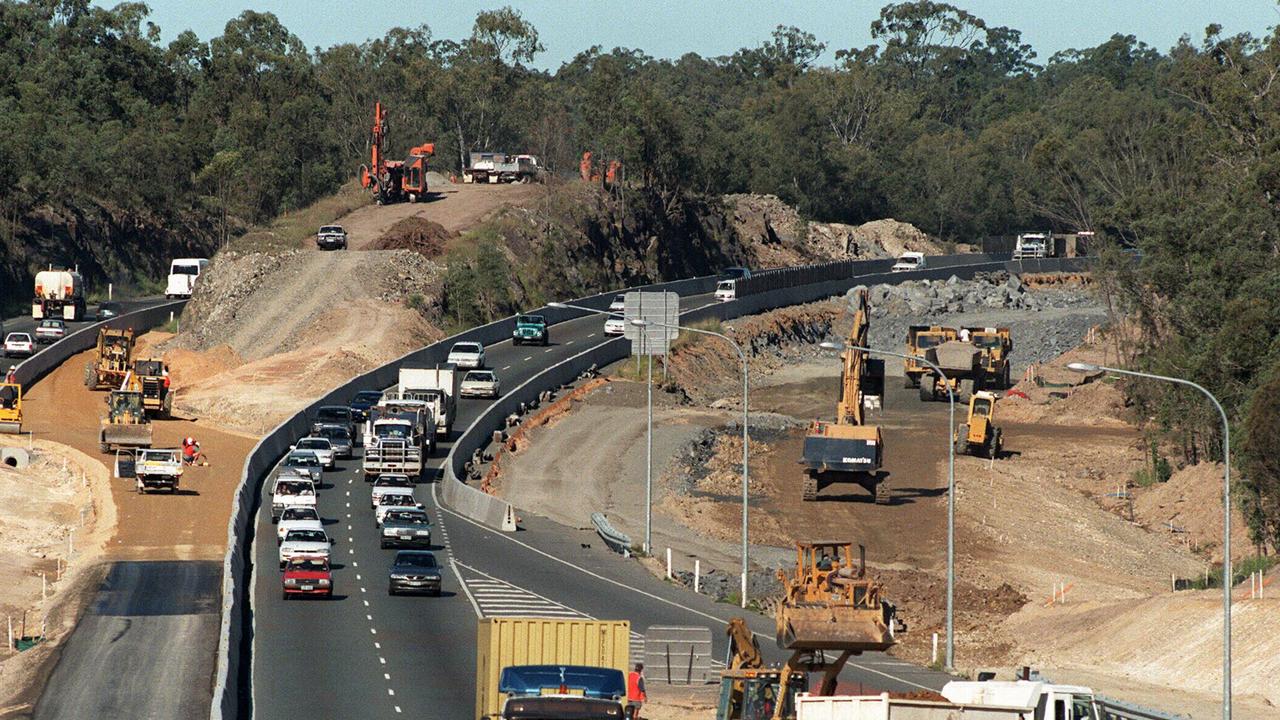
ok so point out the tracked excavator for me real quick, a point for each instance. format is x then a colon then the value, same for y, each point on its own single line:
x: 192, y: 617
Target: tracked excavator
x: 848, y: 449
x: 829, y: 612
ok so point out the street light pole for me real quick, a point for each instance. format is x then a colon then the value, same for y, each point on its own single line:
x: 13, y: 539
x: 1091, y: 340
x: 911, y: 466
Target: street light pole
x: 1226, y: 513
x: 746, y: 440
x: 951, y: 484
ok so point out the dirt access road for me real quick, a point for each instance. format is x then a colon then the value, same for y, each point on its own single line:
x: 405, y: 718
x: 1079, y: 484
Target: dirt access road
x: 456, y: 207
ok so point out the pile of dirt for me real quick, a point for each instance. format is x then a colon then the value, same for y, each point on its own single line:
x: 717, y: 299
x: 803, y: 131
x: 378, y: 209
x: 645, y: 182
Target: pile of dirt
x: 416, y: 234
x: 777, y: 236
x: 1189, y: 507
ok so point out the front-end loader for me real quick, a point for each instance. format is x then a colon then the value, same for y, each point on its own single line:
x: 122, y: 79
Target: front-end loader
x: 111, y: 359
x: 10, y: 408
x: 126, y: 425
x: 848, y: 449
x: 978, y: 435
x: 828, y: 606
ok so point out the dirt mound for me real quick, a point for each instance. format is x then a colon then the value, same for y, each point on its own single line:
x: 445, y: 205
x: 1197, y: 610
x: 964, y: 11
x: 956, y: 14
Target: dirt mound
x: 417, y: 234
x: 1189, y: 506
x: 777, y: 236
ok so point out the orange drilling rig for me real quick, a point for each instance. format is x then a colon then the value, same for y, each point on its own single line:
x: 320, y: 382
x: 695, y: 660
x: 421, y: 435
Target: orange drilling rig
x: 394, y: 180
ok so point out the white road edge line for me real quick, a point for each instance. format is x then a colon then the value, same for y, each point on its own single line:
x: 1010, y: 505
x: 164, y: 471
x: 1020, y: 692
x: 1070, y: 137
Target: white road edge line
x: 474, y: 605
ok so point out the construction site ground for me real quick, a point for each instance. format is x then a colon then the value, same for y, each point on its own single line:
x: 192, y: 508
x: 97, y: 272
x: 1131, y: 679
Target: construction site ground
x: 1036, y: 518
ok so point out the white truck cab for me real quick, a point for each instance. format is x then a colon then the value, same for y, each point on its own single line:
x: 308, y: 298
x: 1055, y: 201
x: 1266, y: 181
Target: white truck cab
x: 182, y: 276
x: 727, y: 290
x: 908, y: 261
x: 1033, y: 245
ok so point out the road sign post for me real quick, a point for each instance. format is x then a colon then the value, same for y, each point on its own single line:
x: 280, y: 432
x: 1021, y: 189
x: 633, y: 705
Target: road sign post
x: 661, y: 313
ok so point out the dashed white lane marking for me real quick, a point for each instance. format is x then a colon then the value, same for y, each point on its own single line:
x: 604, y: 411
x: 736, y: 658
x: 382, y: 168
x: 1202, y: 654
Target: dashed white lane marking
x: 377, y: 646
x: 391, y: 692
x: 382, y: 660
x: 373, y: 631
x: 591, y: 335
x: 368, y: 617
x: 386, y: 676
x: 568, y: 342
x: 366, y: 602
x: 528, y: 358
x: 398, y: 709
x: 506, y: 367
x: 547, y: 350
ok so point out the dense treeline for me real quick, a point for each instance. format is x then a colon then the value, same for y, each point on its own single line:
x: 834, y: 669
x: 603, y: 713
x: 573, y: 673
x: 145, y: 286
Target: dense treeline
x: 945, y: 121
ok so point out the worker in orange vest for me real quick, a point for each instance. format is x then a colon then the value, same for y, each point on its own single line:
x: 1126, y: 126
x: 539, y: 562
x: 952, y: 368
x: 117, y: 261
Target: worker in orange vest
x: 636, y: 696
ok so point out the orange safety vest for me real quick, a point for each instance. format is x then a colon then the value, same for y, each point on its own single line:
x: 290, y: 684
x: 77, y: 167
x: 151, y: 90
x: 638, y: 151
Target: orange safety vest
x: 635, y: 687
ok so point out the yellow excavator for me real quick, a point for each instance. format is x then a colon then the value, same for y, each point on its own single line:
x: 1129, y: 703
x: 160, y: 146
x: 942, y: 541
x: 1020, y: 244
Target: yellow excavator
x: 849, y: 450
x: 10, y: 408
x: 829, y: 606
x: 126, y: 425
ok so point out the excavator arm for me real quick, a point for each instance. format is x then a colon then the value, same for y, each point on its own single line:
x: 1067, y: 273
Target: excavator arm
x: 849, y: 408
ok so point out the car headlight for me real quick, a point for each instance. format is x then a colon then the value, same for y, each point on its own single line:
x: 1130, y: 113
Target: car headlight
x: 291, y: 583
x: 399, y: 576
x: 322, y: 583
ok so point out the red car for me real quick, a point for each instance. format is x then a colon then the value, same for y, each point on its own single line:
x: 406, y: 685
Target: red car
x: 307, y: 577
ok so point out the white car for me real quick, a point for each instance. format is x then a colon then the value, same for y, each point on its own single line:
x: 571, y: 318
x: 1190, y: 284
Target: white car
x: 479, y: 384
x: 298, y: 518
x: 615, y: 326
x: 467, y: 355
x: 318, y: 445
x: 305, y: 463
x: 390, y: 483
x: 304, y: 543
x: 393, y: 501
x: 727, y: 290
x: 291, y: 491
x: 619, y: 303
x: 18, y: 344
x: 909, y: 261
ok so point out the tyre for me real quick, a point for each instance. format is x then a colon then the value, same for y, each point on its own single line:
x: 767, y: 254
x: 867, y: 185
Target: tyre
x: 90, y: 376
x: 383, y: 545
x: 809, y: 492
x: 391, y: 591
x: 436, y: 593
x: 964, y: 391
x: 997, y: 442
x: 104, y: 448
x: 284, y: 596
x: 1005, y: 383
x: 926, y: 390
x: 962, y: 441
x: 908, y: 383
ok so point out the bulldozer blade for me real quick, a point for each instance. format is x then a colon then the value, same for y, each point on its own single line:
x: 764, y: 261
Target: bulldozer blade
x: 833, y: 628
x: 127, y: 435
x: 10, y: 427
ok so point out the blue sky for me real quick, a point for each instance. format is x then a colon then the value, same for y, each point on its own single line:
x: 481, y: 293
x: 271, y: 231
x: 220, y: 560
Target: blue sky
x: 667, y: 28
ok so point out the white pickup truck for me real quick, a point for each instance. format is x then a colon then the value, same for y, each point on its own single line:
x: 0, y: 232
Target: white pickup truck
x: 291, y: 490
x: 157, y: 469
x: 986, y: 700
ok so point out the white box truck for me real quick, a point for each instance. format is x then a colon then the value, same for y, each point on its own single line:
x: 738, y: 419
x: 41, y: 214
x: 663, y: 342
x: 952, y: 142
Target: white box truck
x: 966, y: 700
x: 438, y: 387
x: 182, y: 276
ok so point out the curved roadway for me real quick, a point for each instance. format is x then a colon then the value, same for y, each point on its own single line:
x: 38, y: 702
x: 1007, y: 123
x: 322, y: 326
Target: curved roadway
x: 366, y: 654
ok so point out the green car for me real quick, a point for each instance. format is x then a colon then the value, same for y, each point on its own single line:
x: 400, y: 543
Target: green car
x: 530, y: 330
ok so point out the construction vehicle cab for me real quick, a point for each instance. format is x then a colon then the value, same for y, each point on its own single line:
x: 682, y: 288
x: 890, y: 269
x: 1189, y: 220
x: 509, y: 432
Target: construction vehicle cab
x: 978, y: 435
x: 752, y: 694
x: 10, y: 408
x: 153, y: 376
x: 126, y: 425
x: 920, y: 338
x: 848, y: 449
x: 995, y: 345
x: 111, y: 359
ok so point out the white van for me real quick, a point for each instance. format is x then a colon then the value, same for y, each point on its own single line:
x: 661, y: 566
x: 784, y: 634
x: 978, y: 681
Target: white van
x: 727, y: 290
x: 182, y: 276
x: 909, y: 261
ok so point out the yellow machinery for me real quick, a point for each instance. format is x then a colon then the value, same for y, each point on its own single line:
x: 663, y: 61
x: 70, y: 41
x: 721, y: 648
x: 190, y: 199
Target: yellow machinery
x: 920, y: 338
x: 10, y: 408
x: 849, y: 450
x: 995, y: 345
x: 153, y: 376
x: 126, y: 424
x: 979, y: 434
x: 111, y: 359
x: 829, y: 606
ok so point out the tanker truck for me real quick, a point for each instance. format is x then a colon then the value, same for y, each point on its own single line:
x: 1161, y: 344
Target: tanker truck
x: 59, y: 294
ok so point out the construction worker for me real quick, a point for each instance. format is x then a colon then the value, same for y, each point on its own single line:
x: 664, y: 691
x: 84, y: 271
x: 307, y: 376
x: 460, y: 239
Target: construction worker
x: 11, y: 377
x: 190, y: 451
x: 964, y: 335
x: 8, y: 396
x: 636, y: 696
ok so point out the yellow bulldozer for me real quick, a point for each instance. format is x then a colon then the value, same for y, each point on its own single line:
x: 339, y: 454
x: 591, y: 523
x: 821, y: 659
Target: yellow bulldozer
x: 10, y: 408
x: 829, y: 605
x: 978, y: 435
x: 126, y: 425
x: 153, y: 377
x: 112, y: 359
x: 848, y: 449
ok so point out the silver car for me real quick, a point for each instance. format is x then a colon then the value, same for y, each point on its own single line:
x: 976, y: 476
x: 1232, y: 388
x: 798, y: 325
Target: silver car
x: 479, y: 384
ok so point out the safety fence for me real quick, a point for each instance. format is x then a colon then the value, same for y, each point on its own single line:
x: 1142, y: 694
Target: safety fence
x: 232, y: 682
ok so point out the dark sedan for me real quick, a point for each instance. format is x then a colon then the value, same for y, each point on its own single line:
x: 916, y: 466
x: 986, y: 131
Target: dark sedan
x: 361, y: 403
x: 414, y: 571
x: 406, y: 528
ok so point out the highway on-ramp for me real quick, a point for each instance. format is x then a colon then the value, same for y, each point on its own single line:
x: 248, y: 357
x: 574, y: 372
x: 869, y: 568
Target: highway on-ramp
x: 366, y: 654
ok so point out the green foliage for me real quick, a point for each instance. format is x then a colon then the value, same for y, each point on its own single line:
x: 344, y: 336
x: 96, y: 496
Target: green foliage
x: 477, y: 284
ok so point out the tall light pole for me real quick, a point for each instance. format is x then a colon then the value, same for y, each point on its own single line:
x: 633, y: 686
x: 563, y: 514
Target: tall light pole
x: 1226, y: 513
x: 951, y: 484
x: 746, y: 440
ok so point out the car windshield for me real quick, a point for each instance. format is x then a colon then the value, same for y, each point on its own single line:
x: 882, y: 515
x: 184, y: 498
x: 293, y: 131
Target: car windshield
x: 726, y: 285
x: 479, y: 377
x: 530, y: 320
x: 335, y: 433
x: 392, y: 481
x: 294, y: 488
x: 331, y: 229
x: 924, y: 342
x: 308, y: 565
x: 416, y: 560
x: 466, y: 348
x: 394, y: 499
x: 184, y: 270
x: 986, y: 341
x: 314, y: 444
x: 300, y: 514
x: 367, y: 396
x: 303, y: 459
x: 408, y: 517
x: 395, y: 430
x: 306, y: 536
x: 334, y: 413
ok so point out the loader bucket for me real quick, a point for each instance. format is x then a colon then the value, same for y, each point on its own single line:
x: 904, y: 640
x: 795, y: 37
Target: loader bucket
x: 127, y: 435
x: 838, y: 627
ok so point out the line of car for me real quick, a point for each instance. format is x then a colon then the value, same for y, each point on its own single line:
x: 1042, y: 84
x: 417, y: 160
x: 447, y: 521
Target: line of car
x: 22, y: 344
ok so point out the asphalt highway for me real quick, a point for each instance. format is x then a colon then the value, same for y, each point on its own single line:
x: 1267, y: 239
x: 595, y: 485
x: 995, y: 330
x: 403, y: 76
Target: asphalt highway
x: 25, y: 324
x: 366, y: 654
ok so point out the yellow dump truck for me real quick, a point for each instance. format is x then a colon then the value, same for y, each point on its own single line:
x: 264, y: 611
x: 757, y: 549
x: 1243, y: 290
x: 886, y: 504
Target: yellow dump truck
x: 513, y: 642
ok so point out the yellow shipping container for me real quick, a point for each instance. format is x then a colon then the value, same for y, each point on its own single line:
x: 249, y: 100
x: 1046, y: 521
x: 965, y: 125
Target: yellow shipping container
x: 508, y: 641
